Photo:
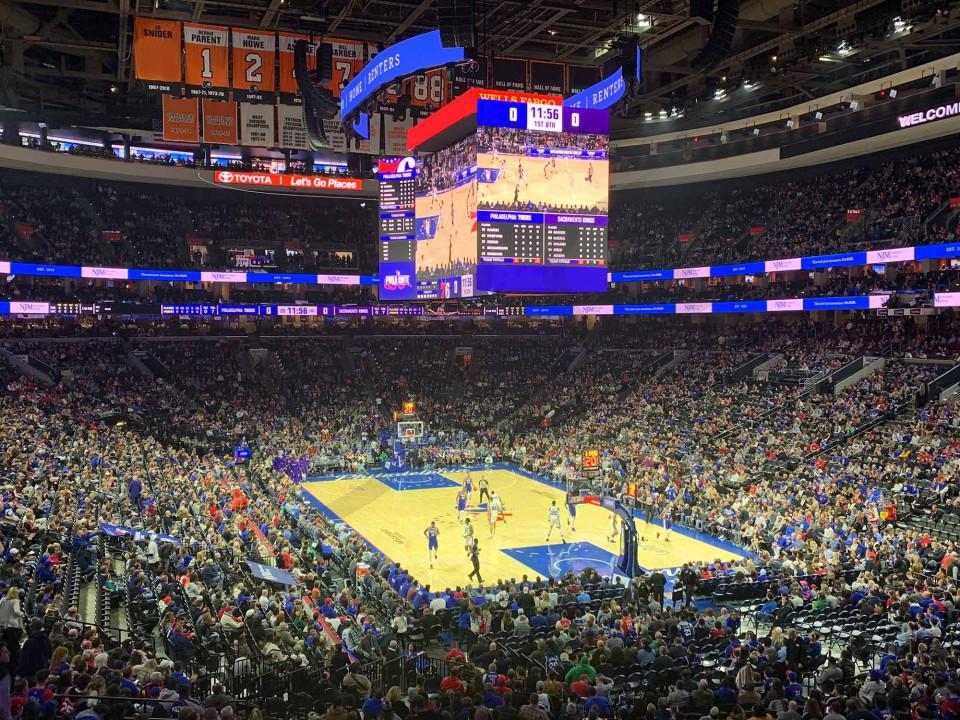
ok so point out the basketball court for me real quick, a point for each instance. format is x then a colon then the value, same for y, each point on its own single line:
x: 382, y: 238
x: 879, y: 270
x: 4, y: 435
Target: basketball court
x: 391, y: 510
x: 561, y: 182
x: 448, y: 232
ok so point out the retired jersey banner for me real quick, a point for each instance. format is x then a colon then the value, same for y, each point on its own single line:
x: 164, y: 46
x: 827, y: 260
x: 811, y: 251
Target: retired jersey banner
x: 288, y: 81
x: 257, y: 125
x: 157, y: 52
x: 181, y: 119
x: 349, y: 57
x: 292, y: 128
x: 254, y: 65
x: 207, y: 66
x: 220, y: 122
x: 547, y: 77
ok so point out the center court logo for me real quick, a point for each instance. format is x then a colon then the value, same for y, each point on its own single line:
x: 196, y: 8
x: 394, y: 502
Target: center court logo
x: 397, y: 281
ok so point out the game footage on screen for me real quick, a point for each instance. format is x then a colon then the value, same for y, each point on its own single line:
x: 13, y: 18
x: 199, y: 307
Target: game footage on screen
x: 446, y: 213
x: 542, y: 171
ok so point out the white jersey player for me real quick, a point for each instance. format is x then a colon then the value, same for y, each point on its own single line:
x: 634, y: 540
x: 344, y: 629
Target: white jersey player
x: 468, y: 536
x: 553, y: 518
x: 495, y: 511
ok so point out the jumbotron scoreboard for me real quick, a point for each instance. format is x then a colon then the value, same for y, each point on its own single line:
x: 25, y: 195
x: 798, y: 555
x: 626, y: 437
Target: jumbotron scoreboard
x: 511, y: 193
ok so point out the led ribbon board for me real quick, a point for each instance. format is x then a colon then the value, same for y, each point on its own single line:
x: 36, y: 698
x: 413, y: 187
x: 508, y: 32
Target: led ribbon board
x: 410, y: 56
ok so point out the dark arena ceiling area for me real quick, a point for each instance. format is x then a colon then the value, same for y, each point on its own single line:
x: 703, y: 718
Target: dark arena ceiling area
x: 71, y: 59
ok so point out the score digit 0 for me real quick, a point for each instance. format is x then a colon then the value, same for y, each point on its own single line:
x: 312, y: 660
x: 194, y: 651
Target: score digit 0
x: 575, y: 119
x: 513, y: 114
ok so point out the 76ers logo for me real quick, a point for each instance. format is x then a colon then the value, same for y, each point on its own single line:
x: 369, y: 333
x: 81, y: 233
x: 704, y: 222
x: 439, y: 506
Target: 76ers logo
x: 397, y: 281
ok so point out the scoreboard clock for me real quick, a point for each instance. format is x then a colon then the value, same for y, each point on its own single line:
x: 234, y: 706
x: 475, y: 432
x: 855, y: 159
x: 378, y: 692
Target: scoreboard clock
x: 591, y: 461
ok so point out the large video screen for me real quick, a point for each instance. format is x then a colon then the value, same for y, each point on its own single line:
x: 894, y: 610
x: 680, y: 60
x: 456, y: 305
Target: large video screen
x: 543, y: 198
x: 446, y: 219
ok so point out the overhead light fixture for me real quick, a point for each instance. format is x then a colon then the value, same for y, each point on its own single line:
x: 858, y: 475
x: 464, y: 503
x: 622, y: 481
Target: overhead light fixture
x: 854, y: 105
x: 901, y: 26
x: 756, y: 131
x: 818, y: 115
x: 719, y: 94
x: 647, y: 115
x: 663, y: 113
x: 844, y: 49
x: 790, y: 124
x: 893, y: 93
x: 723, y: 138
x: 644, y: 22
x: 773, y: 58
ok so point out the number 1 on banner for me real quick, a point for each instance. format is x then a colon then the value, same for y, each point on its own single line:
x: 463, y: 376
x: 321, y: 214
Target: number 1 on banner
x: 207, y: 71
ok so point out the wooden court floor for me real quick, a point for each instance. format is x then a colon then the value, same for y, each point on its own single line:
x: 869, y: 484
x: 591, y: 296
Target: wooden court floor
x: 392, y: 512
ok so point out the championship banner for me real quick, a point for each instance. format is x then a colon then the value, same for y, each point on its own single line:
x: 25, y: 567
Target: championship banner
x: 220, y: 122
x: 292, y: 128
x: 389, y: 137
x: 157, y: 53
x: 288, y: 81
x: 509, y: 74
x: 181, y: 119
x: 254, y: 64
x: 547, y: 77
x: 257, y: 125
x: 207, y: 60
x: 338, y: 138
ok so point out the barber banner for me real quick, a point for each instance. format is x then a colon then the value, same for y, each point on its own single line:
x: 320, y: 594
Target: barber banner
x: 292, y: 128
x: 257, y: 126
x: 181, y: 119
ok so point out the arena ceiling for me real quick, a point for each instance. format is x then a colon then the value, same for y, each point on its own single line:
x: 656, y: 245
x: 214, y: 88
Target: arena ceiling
x: 72, y: 57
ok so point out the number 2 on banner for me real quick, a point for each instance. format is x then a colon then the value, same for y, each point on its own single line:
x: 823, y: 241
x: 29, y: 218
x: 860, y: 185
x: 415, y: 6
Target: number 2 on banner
x: 253, y: 73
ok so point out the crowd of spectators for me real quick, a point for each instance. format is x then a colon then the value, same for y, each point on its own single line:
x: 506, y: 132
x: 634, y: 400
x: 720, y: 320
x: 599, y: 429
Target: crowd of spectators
x: 127, y: 225
x: 789, y: 476
x: 903, y: 202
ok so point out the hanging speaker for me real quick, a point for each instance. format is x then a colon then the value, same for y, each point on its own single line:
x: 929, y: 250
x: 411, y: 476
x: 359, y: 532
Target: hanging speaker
x: 721, y: 36
x: 456, y: 21
x: 325, y: 62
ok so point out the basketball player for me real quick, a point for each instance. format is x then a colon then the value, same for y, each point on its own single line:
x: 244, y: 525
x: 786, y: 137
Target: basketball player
x: 495, y: 512
x: 549, y: 168
x: 667, y: 519
x: 468, y: 484
x: 461, y: 504
x: 516, y: 196
x: 553, y: 518
x: 432, y: 534
x: 467, y: 536
x: 572, y: 513
x: 614, y: 528
x: 589, y: 177
x: 520, y: 171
